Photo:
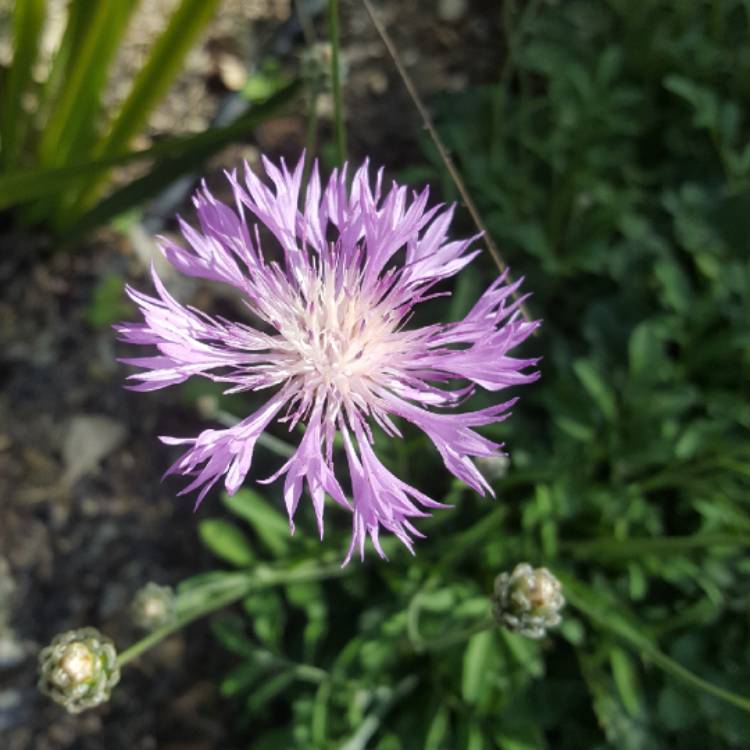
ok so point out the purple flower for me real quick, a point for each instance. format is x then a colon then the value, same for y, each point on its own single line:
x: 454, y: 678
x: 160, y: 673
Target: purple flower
x: 332, y: 346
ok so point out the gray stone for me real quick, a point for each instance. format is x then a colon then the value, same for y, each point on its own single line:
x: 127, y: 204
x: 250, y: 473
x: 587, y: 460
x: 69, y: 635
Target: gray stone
x: 88, y: 439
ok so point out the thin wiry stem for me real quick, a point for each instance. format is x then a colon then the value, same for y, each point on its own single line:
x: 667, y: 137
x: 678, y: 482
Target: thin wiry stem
x: 279, y: 447
x: 338, y: 111
x: 439, y: 145
x: 311, y: 136
x: 238, y: 586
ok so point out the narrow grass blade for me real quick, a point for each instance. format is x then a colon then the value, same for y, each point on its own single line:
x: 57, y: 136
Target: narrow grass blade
x: 163, y: 64
x: 195, y: 151
x: 79, y: 95
x: 161, y: 67
x: 28, y: 19
x: 338, y: 108
x: 64, y: 57
x: 21, y: 187
x: 614, y: 549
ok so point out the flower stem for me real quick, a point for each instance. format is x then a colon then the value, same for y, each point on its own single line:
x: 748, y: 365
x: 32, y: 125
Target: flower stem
x: 338, y: 112
x: 160, y: 634
x: 241, y: 586
x: 265, y: 439
x: 604, y: 615
x: 311, y: 132
x: 665, y: 545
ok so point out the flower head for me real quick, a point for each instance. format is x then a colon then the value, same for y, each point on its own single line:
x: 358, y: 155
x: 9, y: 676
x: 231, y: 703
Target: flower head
x: 330, y: 342
x: 79, y: 669
x: 528, y: 600
x: 153, y: 606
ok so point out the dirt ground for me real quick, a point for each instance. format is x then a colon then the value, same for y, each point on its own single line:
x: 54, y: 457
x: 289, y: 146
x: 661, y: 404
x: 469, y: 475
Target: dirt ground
x: 84, y: 518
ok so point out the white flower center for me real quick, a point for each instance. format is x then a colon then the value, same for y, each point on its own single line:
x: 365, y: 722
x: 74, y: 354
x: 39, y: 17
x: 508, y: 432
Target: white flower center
x: 78, y: 663
x: 337, y: 340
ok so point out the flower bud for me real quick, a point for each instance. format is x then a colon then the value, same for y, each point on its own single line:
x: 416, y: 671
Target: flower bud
x: 527, y: 601
x: 494, y: 467
x: 79, y: 669
x: 153, y: 606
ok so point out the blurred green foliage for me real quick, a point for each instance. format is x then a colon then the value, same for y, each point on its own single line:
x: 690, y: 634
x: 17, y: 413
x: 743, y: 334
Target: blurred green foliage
x: 58, y: 142
x: 108, y: 303
x: 611, y: 163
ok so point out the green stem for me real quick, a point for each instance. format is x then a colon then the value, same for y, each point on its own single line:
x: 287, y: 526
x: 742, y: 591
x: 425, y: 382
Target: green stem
x: 274, y: 444
x: 304, y: 672
x: 338, y: 112
x: 617, y: 548
x: 687, y: 473
x: 237, y: 589
x: 279, y: 447
x: 179, y: 622
x: 311, y: 138
x: 634, y: 634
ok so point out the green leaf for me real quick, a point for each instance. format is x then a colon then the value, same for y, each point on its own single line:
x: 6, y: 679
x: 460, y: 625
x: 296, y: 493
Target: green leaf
x: 266, y: 610
x: 596, y: 387
x: 645, y: 350
x: 575, y: 429
x: 268, y: 691
x: 626, y: 680
x: 475, y: 670
x: 703, y: 100
x: 621, y: 730
x: 109, y: 303
x: 310, y: 598
x: 229, y: 631
x: 437, y: 733
x: 475, y: 739
x: 675, y: 285
x: 320, y: 720
x: 677, y: 710
x: 64, y: 58
x: 270, y: 526
x: 226, y: 541
x: 507, y: 741
x: 572, y: 630
x: 524, y: 651
x: 241, y: 679
x: 437, y: 601
x: 28, y: 19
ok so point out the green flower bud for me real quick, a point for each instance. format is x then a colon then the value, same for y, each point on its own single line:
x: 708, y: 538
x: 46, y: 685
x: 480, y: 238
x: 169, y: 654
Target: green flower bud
x: 527, y: 601
x: 153, y: 606
x: 79, y: 669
